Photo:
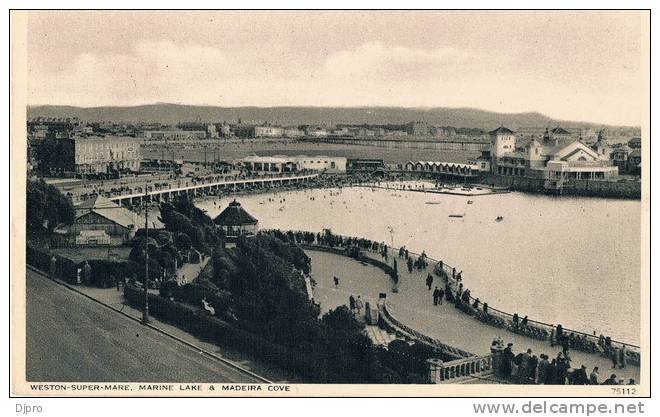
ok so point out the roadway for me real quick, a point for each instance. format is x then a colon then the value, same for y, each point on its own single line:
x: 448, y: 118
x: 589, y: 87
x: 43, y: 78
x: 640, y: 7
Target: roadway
x: 71, y: 338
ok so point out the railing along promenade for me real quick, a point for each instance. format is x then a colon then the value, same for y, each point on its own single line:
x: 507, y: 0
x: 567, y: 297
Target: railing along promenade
x: 460, y: 369
x: 533, y: 328
x: 462, y: 365
x: 408, y: 332
x: 489, y: 315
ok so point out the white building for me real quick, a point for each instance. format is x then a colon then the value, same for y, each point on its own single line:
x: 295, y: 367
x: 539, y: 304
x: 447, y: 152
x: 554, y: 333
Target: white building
x: 557, y: 158
x: 268, y: 132
x: 329, y: 164
x: 283, y: 163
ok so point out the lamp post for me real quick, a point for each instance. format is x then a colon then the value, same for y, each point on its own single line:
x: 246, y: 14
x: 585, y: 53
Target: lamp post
x: 391, y: 230
x: 145, y: 311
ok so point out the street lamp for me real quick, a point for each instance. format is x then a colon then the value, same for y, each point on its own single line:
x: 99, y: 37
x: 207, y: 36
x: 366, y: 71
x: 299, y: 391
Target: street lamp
x: 145, y: 311
x: 391, y: 230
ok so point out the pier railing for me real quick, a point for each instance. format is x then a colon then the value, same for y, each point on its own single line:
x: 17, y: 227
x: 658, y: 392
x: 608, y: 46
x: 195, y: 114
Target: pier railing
x: 498, y: 318
x: 164, y: 186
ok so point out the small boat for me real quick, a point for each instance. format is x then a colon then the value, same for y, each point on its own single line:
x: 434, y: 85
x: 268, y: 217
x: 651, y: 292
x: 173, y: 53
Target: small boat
x: 457, y: 215
x: 499, y: 218
x: 433, y: 202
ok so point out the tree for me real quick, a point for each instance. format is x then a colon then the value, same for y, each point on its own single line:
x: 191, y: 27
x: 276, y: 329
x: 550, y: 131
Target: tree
x: 46, y: 207
x: 183, y: 242
x: 352, y: 356
x: 164, y: 237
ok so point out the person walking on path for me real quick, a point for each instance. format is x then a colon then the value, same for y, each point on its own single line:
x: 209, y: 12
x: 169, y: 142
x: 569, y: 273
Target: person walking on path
x: 359, y: 305
x: 436, y: 296
x: 429, y: 281
x: 351, y: 303
x: 593, y: 377
x: 336, y: 280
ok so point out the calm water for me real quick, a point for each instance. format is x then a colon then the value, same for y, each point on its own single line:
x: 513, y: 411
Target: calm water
x: 573, y: 261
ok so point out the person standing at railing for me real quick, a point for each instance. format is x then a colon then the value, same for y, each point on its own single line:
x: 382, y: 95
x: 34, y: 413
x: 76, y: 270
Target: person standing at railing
x: 615, y: 357
x: 622, y: 356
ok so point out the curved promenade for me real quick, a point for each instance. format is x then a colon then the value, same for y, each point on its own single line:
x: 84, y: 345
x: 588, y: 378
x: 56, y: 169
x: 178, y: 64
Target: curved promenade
x: 466, y: 330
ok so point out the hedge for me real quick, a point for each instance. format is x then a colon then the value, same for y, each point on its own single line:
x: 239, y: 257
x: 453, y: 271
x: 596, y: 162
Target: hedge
x: 104, y: 273
x: 304, y: 363
x: 65, y: 269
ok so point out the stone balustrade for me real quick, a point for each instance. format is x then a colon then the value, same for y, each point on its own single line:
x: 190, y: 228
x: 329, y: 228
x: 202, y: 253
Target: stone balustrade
x: 460, y: 369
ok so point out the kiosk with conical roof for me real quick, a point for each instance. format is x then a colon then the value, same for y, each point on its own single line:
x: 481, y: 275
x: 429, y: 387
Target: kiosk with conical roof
x: 236, y: 222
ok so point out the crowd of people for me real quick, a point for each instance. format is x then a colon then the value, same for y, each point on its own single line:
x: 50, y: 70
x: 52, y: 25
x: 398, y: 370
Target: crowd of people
x: 528, y: 368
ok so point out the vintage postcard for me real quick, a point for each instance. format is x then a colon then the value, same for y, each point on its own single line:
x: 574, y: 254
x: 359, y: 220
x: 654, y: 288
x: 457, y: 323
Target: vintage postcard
x: 430, y: 203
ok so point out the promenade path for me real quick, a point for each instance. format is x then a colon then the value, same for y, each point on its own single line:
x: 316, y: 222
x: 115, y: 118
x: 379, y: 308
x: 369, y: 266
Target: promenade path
x: 413, y: 305
x: 189, y: 271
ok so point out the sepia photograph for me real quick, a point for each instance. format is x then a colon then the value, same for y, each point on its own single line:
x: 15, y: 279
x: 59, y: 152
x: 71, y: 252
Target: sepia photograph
x: 326, y: 203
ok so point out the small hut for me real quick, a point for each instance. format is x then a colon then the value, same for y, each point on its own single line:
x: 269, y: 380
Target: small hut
x: 235, y: 222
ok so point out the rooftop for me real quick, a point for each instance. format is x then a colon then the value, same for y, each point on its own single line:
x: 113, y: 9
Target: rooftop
x: 501, y: 131
x: 560, y: 131
x: 234, y: 215
x: 108, y: 209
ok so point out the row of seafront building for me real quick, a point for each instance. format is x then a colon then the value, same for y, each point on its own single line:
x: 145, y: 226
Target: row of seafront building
x: 551, y: 160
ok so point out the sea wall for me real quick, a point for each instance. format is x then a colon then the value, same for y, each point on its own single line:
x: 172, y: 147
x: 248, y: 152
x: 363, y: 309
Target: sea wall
x: 583, y: 188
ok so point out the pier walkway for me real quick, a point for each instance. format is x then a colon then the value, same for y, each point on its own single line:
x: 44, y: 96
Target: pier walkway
x: 166, y: 189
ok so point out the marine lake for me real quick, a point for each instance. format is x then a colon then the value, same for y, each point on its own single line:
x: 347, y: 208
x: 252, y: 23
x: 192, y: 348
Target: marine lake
x: 574, y: 261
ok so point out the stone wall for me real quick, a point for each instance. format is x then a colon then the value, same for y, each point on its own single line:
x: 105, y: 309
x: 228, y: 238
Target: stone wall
x: 587, y: 188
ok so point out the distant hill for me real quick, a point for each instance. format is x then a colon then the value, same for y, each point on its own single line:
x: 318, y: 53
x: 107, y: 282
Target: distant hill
x: 175, y: 113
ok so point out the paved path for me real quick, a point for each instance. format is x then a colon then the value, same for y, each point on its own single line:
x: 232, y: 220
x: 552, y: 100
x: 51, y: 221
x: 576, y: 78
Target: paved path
x: 72, y: 338
x: 413, y: 305
x: 188, y: 272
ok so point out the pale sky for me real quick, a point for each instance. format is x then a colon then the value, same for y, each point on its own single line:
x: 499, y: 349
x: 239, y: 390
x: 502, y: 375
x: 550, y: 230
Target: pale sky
x: 584, y: 66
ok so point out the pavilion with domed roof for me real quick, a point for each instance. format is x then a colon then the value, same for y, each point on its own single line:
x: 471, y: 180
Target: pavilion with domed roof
x: 235, y: 221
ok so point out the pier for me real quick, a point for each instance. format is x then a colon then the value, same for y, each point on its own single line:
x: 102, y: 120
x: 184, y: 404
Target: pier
x: 168, y: 189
